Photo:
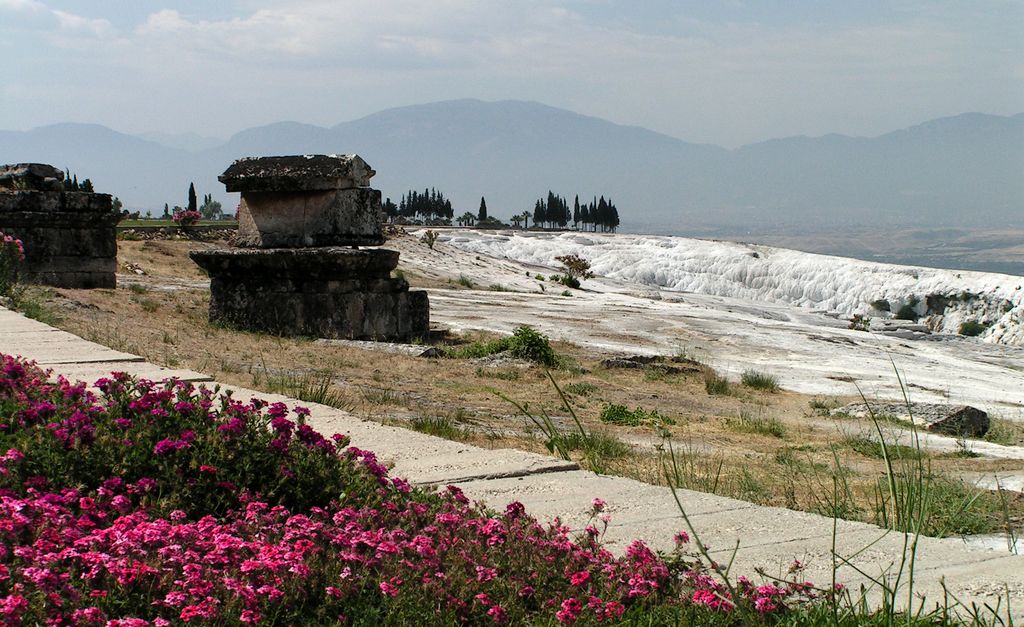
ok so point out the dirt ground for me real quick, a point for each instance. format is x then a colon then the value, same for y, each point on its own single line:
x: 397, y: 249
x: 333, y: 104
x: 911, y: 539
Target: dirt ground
x: 769, y: 448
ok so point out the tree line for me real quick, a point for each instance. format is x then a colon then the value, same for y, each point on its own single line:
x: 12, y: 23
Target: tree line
x: 550, y: 212
x: 554, y: 212
x: 430, y: 205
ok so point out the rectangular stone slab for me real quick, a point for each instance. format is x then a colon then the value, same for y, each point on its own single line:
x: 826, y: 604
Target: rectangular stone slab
x: 296, y: 173
x: 345, y: 217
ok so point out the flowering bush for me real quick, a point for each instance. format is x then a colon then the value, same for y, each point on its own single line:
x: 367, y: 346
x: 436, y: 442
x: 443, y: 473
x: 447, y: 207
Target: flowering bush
x: 185, y: 217
x: 12, y: 254
x: 159, y: 503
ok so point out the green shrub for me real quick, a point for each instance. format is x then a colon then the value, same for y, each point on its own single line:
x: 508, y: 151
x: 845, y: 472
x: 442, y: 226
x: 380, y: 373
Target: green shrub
x: 478, y: 349
x: 760, y: 381
x: 620, y: 415
x: 529, y: 344
x: 465, y: 281
x: 575, y: 269
x: 972, y: 328
x: 525, y: 343
x: 881, y: 305
x: 568, y: 281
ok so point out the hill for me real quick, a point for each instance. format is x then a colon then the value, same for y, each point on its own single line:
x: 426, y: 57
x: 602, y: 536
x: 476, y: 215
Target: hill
x: 960, y: 170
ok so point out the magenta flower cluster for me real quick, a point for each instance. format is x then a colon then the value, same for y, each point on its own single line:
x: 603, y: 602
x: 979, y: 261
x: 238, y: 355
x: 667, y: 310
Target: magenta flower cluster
x: 159, y: 504
x: 185, y: 217
x: 14, y: 244
x: 12, y: 253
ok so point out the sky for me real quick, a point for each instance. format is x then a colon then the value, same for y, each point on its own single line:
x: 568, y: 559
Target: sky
x: 727, y: 72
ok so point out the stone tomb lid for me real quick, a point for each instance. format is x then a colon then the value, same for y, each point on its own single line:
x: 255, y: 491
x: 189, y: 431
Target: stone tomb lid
x: 31, y: 176
x: 296, y: 173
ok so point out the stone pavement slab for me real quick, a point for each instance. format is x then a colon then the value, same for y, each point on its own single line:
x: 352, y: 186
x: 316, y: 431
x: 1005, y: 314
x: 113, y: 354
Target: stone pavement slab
x: 422, y: 459
x: 90, y: 372
x: 74, y: 357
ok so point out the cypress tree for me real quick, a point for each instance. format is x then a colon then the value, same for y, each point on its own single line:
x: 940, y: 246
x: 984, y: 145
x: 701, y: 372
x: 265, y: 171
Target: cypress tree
x: 192, y: 204
x: 482, y: 214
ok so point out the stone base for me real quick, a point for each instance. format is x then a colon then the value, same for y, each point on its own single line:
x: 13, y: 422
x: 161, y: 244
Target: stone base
x: 70, y: 237
x: 320, y: 292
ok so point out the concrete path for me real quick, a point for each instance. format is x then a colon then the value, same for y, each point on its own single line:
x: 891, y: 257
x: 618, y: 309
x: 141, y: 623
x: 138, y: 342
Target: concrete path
x: 769, y: 538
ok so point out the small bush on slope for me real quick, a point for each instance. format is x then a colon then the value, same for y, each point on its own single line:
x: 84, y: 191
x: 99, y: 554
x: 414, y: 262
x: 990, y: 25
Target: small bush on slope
x: 524, y: 343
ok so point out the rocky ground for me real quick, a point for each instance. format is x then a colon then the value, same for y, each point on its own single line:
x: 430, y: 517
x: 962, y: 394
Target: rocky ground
x: 776, y: 448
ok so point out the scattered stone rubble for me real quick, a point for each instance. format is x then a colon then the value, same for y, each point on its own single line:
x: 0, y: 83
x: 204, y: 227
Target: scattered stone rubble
x: 675, y: 365
x: 955, y: 420
x: 297, y: 269
x: 70, y: 236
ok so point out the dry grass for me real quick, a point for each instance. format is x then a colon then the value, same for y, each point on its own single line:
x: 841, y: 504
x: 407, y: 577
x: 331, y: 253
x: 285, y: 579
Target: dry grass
x: 766, y: 448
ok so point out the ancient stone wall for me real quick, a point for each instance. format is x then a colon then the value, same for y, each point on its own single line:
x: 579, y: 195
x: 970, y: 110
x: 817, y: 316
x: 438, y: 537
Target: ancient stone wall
x: 69, y: 236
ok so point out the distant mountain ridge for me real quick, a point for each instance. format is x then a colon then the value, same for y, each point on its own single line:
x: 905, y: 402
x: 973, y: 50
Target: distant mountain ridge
x: 956, y: 170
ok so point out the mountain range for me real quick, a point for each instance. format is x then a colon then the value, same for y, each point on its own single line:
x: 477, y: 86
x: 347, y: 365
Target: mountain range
x: 961, y: 170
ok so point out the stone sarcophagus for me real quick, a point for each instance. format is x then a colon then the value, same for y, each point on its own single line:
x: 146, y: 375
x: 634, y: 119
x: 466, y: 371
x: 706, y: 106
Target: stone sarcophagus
x: 297, y: 268
x: 70, y: 236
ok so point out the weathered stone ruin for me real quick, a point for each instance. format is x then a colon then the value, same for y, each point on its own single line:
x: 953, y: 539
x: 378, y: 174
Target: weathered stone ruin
x: 70, y: 236
x: 955, y: 420
x: 296, y: 269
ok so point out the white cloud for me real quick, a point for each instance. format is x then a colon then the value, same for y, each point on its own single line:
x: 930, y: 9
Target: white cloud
x: 22, y: 6
x: 76, y: 24
x: 688, y: 75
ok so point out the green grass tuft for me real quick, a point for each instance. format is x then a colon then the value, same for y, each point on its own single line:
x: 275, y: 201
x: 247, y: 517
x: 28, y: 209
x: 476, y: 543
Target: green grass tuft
x: 760, y: 381
x: 745, y: 422
x: 716, y: 385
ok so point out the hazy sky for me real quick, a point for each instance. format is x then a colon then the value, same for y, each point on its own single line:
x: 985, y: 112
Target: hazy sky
x: 719, y: 71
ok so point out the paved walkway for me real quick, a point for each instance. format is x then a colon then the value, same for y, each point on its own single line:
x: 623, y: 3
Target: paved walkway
x: 769, y: 538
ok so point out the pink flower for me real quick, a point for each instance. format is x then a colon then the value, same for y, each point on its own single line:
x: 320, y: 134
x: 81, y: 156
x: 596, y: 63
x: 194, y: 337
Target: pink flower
x: 598, y: 505
x: 570, y: 611
x: 89, y: 616
x: 498, y: 614
x: 390, y: 587
x: 580, y: 578
x: 711, y: 600
x: 13, y: 606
